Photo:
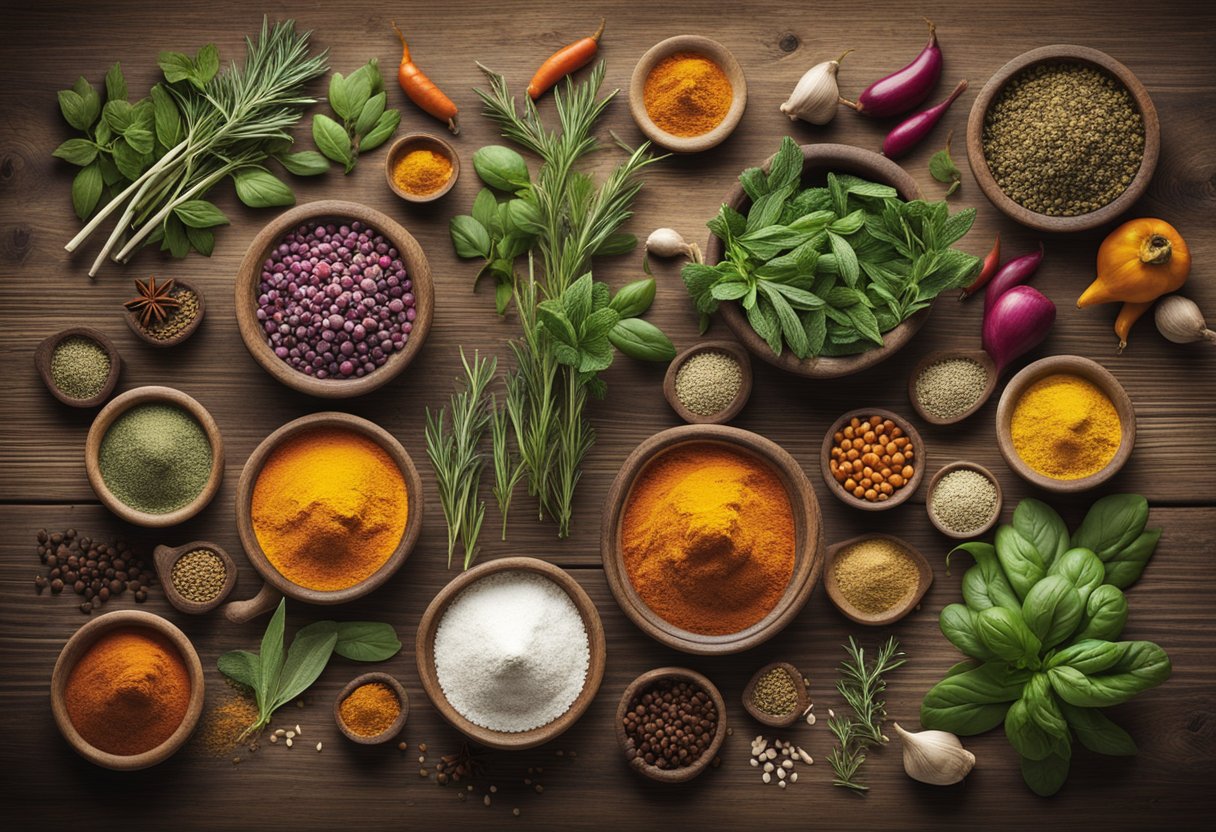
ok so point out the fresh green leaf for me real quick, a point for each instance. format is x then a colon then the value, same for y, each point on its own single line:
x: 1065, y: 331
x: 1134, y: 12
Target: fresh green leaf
x: 785, y: 169
x: 1142, y: 665
x: 74, y: 109
x: 176, y: 66
x: 973, y: 702
x: 985, y: 584
x: 616, y: 244
x: 340, y: 98
x: 370, y: 113
x: 1125, y: 565
x: 259, y: 188
x: 116, y: 84
x: 1097, y: 732
x: 201, y: 240
x: 1045, y: 777
x: 79, y: 152
x: 1088, y: 656
x: 271, y: 655
x: 331, y: 139
x: 86, y: 190
x: 176, y: 240
x: 1039, y: 523
x: 241, y: 666
x: 958, y: 625
x: 385, y: 127
x: 641, y: 340
x: 199, y: 213
x: 1105, y: 614
x: 306, y: 658
x: 1019, y: 560
x: 634, y: 298
x: 206, y: 65
x: 1052, y: 610
x: 166, y: 117
x: 1025, y: 735
x: 846, y: 259
x: 1006, y: 634
x: 1111, y: 524
x: 1082, y: 569
x: 304, y: 163
x: 485, y: 207
x: 501, y: 168
x: 469, y: 237
x: 140, y: 140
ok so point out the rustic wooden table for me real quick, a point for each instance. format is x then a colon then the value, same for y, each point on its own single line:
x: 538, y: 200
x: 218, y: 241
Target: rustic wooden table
x: 42, y: 481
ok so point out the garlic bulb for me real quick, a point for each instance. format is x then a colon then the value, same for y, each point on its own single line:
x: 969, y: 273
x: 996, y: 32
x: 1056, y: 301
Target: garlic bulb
x: 667, y: 242
x: 1180, y: 321
x: 935, y: 757
x: 815, y: 97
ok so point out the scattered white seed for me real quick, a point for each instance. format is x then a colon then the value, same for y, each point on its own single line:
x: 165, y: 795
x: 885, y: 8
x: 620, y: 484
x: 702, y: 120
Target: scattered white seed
x: 290, y: 734
x: 831, y: 713
x: 760, y: 746
x: 493, y: 789
x: 486, y: 800
x: 755, y: 762
x: 781, y: 783
x: 787, y: 764
x: 806, y: 758
x: 780, y: 774
x: 785, y: 752
x: 794, y: 777
x: 318, y: 748
x: 422, y: 758
x: 289, y: 742
x: 810, y: 719
x: 768, y: 766
x: 274, y: 737
x: 766, y: 777
x: 279, y: 732
x: 771, y: 753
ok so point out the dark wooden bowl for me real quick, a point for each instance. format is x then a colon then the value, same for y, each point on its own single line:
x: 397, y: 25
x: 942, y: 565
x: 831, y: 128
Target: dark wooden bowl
x: 957, y: 466
x: 42, y: 363
x: 133, y: 320
x: 732, y: 349
x: 421, y: 141
x: 276, y: 584
x: 424, y: 651
x: 895, y: 613
x: 711, y: 49
x: 1062, y: 53
x: 920, y: 460
x: 165, y: 558
x: 818, y: 160
x: 680, y: 674
x: 804, y: 697
x: 250, y: 274
x: 979, y: 356
x: 1089, y: 370
x: 78, y: 645
x: 153, y: 395
x: 808, y: 539
x: 388, y: 733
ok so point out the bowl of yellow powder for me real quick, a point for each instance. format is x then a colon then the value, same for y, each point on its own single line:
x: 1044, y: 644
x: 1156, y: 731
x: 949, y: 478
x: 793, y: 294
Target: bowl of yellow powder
x: 687, y: 93
x: 421, y: 167
x: 328, y: 507
x: 1065, y: 424
x: 712, y: 538
x: 876, y: 579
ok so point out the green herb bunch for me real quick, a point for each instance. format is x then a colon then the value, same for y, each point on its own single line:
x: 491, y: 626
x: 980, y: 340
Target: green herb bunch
x: 862, y: 685
x: 826, y: 271
x: 153, y: 161
x: 1042, y: 613
x: 276, y: 676
x: 359, y: 100
x: 571, y: 323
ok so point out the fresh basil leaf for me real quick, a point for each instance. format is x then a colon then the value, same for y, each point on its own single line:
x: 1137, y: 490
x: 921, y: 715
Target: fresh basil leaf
x: 331, y: 139
x: 166, y: 117
x: 985, y: 584
x: 128, y: 161
x: 370, y: 113
x: 1025, y: 735
x: 341, y: 98
x: 1045, y: 777
x: 1141, y: 666
x: 485, y: 207
x: 1082, y: 569
x: 1089, y: 656
x: 259, y: 188
x: 958, y: 625
x: 175, y: 241
x: 1052, y: 610
x: 1097, y: 732
x: 1005, y: 633
x: 79, y: 152
x: 973, y: 702
x: 503, y: 291
x: 86, y: 190
x: 306, y: 659
x: 74, y: 109
x: 201, y: 240
x: 366, y: 641
x: 199, y: 213
x: 501, y: 168
x: 641, y: 340
x: 846, y: 259
x: 385, y: 127
x: 1126, y: 565
x: 116, y: 84
x: 1019, y: 560
x: 942, y: 167
x: 141, y: 140
x: 176, y: 66
x: 1111, y: 524
x: 1043, y: 527
x: 634, y: 298
x: 241, y: 666
x: 1105, y: 614
x: 304, y: 163
x: 469, y: 237
x: 206, y: 65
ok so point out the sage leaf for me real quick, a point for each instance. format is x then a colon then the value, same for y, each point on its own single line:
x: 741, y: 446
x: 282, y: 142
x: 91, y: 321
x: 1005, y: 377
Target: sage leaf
x: 79, y: 152
x: 86, y: 190
x: 175, y: 239
x: 166, y: 117
x: 201, y: 240
x: 175, y: 66
x: 259, y: 188
x: 366, y: 641
x: 634, y: 298
x: 331, y: 139
x: 74, y: 109
x: 199, y: 213
x: 241, y: 666
x: 116, y: 84
x: 358, y: 90
x: 306, y: 659
x: 304, y: 163
x: 383, y: 130
x: 271, y: 653
x: 206, y: 64
x: 370, y: 113
x: 140, y: 140
x: 641, y: 340
x: 469, y: 237
x: 501, y: 168
x: 339, y: 98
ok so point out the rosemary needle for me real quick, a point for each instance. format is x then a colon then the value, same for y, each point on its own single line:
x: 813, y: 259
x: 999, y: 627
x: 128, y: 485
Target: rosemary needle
x: 862, y: 685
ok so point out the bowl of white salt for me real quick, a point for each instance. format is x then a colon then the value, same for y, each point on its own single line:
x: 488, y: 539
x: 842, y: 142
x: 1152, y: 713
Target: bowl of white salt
x: 511, y: 652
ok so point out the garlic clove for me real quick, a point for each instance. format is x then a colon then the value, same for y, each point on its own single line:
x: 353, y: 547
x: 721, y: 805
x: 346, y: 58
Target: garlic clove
x: 1179, y: 320
x: 816, y: 94
x: 935, y: 757
x: 666, y: 242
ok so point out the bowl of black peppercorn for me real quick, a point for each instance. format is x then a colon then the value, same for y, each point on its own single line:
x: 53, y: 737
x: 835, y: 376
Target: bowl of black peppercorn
x: 670, y: 723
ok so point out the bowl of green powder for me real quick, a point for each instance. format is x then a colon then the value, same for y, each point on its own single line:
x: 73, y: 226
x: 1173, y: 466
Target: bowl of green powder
x: 79, y: 365
x: 154, y: 456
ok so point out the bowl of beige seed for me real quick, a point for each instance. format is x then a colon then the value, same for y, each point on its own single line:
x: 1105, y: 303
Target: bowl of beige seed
x: 709, y: 383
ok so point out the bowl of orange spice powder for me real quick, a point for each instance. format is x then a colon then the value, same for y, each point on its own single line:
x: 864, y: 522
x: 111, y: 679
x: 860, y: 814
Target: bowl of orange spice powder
x: 328, y: 507
x: 127, y: 690
x: 421, y: 167
x: 371, y: 709
x: 687, y: 93
x: 712, y: 539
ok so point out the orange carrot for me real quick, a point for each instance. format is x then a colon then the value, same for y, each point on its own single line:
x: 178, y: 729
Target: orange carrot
x: 564, y: 61
x: 422, y: 90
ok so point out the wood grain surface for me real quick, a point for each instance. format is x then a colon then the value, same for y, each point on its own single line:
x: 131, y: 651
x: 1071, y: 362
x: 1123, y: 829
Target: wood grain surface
x: 42, y: 475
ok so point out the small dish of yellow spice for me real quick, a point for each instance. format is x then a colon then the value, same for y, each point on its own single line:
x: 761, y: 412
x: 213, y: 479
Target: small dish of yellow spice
x: 421, y: 167
x: 687, y: 93
x: 876, y: 579
x: 371, y: 709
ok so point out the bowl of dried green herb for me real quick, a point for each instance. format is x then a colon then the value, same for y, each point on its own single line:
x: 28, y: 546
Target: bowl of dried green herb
x: 79, y: 365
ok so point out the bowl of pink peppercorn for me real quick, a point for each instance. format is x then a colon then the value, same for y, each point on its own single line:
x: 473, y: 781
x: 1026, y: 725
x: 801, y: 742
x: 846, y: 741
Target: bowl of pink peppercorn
x: 334, y: 298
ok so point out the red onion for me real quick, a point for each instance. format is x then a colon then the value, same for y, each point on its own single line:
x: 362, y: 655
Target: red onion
x: 1017, y: 322
x: 905, y: 88
x: 1014, y: 273
x: 909, y: 132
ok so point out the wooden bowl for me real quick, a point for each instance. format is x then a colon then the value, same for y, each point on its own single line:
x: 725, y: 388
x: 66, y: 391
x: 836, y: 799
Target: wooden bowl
x: 717, y: 53
x: 389, y: 732
x: 250, y: 273
x: 1062, y: 53
x: 920, y: 460
x: 46, y: 349
x: 679, y: 674
x: 958, y: 466
x: 1091, y: 371
x: 153, y: 395
x: 276, y: 584
x: 804, y: 697
x: 421, y: 141
x: 732, y: 349
x: 78, y: 645
x: 165, y: 558
x: 133, y: 320
x: 981, y: 357
x: 424, y: 651
x: 818, y: 160
x: 808, y: 539
x: 895, y: 613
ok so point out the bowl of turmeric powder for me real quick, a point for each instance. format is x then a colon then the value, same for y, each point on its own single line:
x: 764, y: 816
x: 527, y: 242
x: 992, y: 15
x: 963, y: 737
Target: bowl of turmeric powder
x: 711, y: 538
x: 421, y: 167
x: 127, y: 690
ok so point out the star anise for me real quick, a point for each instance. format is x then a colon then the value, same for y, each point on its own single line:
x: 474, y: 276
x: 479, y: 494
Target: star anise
x: 154, y: 301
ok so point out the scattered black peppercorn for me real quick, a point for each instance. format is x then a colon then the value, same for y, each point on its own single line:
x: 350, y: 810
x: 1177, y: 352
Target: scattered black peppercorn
x: 671, y: 724
x: 95, y: 571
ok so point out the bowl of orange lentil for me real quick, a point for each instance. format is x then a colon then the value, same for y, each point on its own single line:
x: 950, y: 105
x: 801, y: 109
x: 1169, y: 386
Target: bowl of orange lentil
x: 872, y: 459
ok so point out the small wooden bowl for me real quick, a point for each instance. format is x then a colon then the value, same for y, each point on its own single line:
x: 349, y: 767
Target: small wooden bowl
x: 110, y: 413
x: 981, y: 357
x: 1062, y: 53
x: 421, y: 141
x: 424, y: 651
x: 165, y: 558
x: 250, y: 274
x: 389, y: 732
x: 1089, y: 370
x: 679, y: 674
x: 46, y: 349
x: 276, y: 584
x: 895, y: 613
x: 804, y: 697
x: 78, y: 645
x: 808, y: 539
x: 959, y: 466
x: 732, y: 349
x: 818, y: 160
x: 717, y: 53
x: 918, y: 464
x: 133, y: 320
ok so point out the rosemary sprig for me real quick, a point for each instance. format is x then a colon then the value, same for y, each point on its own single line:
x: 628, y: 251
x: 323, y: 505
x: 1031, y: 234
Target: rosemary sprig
x: 507, y: 468
x: 846, y: 758
x: 862, y: 685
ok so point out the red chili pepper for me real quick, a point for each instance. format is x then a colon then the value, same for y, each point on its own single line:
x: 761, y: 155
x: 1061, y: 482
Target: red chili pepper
x: 991, y: 262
